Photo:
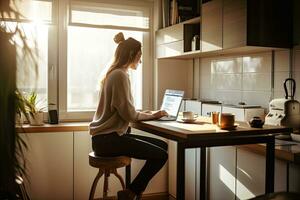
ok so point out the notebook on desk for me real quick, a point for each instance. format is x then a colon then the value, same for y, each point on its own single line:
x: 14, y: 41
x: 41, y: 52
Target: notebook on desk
x: 171, y: 104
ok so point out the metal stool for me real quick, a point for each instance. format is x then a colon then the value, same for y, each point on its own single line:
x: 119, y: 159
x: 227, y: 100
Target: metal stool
x: 107, y: 165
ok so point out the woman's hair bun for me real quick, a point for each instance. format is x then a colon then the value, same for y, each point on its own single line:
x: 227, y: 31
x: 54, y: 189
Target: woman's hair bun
x: 119, y: 38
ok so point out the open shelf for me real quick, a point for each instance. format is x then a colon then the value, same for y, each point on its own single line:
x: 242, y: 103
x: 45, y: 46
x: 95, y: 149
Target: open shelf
x: 223, y: 52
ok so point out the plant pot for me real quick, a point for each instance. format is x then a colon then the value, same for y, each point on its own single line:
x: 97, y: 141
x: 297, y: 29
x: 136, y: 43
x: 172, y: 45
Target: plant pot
x: 36, y: 119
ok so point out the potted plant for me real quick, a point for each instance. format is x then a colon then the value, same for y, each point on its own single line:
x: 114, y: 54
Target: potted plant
x: 35, y: 110
x: 21, y: 105
x: 12, y: 146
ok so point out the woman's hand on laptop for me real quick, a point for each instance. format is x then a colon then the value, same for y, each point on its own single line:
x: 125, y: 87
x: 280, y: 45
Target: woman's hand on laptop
x: 159, y: 113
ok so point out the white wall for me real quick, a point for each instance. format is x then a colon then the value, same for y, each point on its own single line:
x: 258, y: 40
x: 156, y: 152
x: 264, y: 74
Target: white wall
x: 247, y: 78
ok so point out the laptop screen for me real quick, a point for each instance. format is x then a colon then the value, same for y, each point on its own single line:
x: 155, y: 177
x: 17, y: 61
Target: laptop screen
x: 171, y: 101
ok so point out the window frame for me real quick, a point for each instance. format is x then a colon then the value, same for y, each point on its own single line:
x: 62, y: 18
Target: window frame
x: 60, y: 87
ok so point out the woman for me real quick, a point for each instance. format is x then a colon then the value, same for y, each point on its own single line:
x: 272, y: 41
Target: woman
x: 115, y: 111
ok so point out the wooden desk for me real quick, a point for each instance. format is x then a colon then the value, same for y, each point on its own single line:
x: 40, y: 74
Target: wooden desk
x: 203, y: 134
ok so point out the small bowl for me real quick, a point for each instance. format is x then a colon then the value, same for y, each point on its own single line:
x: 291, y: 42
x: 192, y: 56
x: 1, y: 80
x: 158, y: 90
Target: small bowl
x: 256, y: 122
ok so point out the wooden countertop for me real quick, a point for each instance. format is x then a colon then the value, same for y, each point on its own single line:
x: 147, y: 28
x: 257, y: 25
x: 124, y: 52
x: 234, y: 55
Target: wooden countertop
x: 61, y: 127
x: 289, y: 153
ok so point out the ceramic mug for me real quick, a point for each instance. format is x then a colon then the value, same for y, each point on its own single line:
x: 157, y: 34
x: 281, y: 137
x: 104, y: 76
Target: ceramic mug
x: 189, y: 115
x: 226, y: 120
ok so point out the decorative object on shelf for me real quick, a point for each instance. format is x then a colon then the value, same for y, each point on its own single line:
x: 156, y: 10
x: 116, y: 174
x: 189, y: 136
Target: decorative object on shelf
x: 195, y: 45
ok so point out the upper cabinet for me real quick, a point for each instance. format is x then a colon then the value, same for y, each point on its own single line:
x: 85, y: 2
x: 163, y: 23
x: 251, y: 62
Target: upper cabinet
x: 230, y: 26
x: 179, y: 38
x: 211, y: 26
x: 264, y: 23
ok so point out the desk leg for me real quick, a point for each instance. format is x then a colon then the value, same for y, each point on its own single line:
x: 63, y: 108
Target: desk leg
x: 127, y: 175
x: 203, y: 173
x: 270, y: 162
x: 180, y: 187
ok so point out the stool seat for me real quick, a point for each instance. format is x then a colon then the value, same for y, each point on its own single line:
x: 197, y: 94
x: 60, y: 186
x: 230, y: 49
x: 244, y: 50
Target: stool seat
x: 107, y: 165
x: 108, y: 162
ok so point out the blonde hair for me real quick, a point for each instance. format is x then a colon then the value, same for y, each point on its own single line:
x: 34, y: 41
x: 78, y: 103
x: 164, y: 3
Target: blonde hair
x: 125, y: 53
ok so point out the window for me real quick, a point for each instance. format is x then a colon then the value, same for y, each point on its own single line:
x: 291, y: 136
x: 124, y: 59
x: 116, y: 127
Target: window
x: 74, y: 44
x: 90, y: 49
x: 34, y: 23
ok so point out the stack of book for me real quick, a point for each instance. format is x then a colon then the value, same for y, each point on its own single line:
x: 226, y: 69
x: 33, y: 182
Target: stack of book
x: 175, y: 11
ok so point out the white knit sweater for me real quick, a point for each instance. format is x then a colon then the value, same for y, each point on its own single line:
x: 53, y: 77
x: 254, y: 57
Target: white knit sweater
x: 115, y: 109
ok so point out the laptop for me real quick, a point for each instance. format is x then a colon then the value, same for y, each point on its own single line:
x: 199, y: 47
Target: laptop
x: 171, y: 104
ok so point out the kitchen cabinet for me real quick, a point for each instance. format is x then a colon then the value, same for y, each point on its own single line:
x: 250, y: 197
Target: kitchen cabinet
x: 221, y: 172
x: 251, y: 180
x: 169, y: 41
x: 191, y: 182
x: 84, y: 174
x: 175, y: 40
x: 49, y: 165
x: 257, y: 23
x: 227, y: 24
x: 211, y: 26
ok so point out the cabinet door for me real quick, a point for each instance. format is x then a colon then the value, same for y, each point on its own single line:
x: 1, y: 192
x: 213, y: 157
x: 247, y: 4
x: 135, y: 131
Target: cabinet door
x: 251, y: 169
x: 221, y: 172
x: 190, y: 171
x: 234, y: 23
x: 169, y: 41
x: 84, y: 174
x: 211, y: 25
x: 50, y: 165
x: 170, y: 34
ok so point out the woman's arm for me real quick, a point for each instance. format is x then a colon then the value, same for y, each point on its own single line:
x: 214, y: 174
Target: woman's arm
x: 149, y: 115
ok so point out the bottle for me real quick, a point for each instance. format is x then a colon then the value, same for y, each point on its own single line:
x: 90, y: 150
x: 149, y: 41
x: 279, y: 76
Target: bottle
x: 195, y: 42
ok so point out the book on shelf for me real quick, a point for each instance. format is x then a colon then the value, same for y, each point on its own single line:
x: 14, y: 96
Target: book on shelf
x: 165, y: 13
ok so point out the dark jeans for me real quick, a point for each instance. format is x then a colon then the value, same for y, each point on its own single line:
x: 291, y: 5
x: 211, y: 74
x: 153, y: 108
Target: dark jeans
x: 154, y: 151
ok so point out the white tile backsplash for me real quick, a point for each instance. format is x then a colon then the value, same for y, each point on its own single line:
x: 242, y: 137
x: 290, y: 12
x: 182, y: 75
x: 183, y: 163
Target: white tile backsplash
x: 205, y: 64
x: 226, y: 81
x: 259, y: 63
x: 257, y: 81
x: 257, y: 98
x: 296, y: 60
x: 282, y: 62
x: 229, y: 65
x: 279, y: 78
x: 232, y: 79
x: 297, y: 79
x: 228, y: 96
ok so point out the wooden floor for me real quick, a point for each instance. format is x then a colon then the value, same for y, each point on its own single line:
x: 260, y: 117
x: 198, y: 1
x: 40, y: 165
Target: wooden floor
x: 160, y: 196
